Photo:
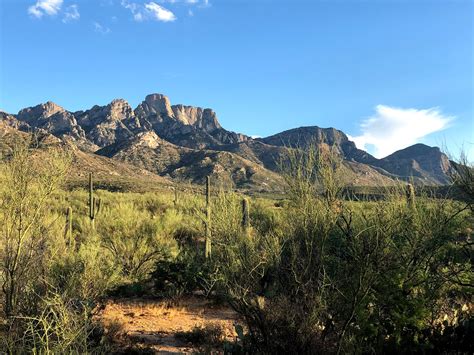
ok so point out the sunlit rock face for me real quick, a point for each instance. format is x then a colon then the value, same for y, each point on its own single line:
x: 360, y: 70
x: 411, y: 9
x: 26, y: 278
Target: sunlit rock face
x: 105, y: 125
x: 52, y: 118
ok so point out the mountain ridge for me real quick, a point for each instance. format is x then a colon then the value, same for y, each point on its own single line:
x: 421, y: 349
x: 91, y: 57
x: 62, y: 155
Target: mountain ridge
x: 185, y: 142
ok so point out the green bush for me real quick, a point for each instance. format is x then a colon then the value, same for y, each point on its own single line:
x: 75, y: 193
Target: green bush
x: 136, y: 241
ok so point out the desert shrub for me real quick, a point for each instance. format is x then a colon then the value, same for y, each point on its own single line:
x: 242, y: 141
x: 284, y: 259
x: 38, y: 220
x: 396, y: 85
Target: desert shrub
x: 136, y: 241
x: 60, y: 327
x: 208, y: 336
x: 26, y: 189
x: 186, y: 273
x: 226, y: 216
x: 462, y: 176
x: 264, y: 218
x: 84, y: 274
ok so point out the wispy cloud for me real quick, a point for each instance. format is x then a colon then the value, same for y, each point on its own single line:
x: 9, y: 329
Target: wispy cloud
x: 160, y: 13
x: 148, y: 11
x: 71, y: 14
x: 392, y: 128
x: 101, y: 29
x: 45, y: 7
x: 134, y: 9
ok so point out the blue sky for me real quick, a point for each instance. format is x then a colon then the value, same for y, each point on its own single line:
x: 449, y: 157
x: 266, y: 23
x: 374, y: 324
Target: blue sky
x: 387, y: 72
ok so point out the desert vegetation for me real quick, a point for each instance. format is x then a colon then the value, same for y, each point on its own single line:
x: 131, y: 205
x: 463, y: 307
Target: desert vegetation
x: 312, y: 272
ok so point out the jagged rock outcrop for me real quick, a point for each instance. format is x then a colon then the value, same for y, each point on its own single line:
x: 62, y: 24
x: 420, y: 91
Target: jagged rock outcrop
x: 155, y: 105
x: 8, y: 120
x: 104, y: 125
x: 205, y: 119
x: 187, y: 126
x: 53, y: 119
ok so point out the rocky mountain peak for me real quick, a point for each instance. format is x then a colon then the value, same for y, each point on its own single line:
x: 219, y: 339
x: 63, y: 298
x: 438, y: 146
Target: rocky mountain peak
x: 418, y: 149
x: 118, y: 109
x: 427, y: 164
x: 52, y: 118
x: 303, y: 137
x: 157, y: 104
x: 105, y: 125
x: 42, y: 111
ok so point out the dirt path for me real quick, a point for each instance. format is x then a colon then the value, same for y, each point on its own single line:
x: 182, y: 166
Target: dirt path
x: 156, y: 324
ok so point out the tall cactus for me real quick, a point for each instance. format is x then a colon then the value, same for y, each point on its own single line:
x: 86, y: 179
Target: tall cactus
x: 246, y: 216
x: 175, y: 201
x: 208, y: 217
x: 69, y: 226
x: 94, y: 204
x: 410, y: 191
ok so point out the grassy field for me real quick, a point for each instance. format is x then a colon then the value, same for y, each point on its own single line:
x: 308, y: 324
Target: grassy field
x: 310, y: 271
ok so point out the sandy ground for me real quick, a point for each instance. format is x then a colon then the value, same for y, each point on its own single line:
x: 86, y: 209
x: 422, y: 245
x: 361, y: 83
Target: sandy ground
x: 154, y: 324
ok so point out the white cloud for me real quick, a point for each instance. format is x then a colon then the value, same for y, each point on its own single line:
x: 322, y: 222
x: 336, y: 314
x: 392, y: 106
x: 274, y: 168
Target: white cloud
x: 150, y: 10
x: 101, y: 29
x: 392, y: 128
x: 71, y: 14
x: 190, y: 13
x: 192, y: 1
x: 45, y: 7
x: 159, y: 12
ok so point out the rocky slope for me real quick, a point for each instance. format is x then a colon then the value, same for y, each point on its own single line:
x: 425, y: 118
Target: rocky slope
x: 183, y: 164
x: 108, y: 173
x: 187, y: 143
x: 426, y: 165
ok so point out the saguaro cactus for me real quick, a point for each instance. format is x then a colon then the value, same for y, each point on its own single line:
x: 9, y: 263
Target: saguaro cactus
x: 175, y: 201
x: 246, y: 216
x: 208, y: 217
x: 94, y: 204
x: 69, y: 225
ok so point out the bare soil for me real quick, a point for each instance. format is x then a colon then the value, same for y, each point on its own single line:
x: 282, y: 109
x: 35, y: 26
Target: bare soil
x: 154, y: 325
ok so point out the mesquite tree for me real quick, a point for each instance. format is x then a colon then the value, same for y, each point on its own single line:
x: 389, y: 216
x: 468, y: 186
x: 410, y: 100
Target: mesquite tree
x: 27, y: 181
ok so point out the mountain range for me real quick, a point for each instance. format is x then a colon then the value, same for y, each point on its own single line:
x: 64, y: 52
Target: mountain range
x: 182, y: 143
